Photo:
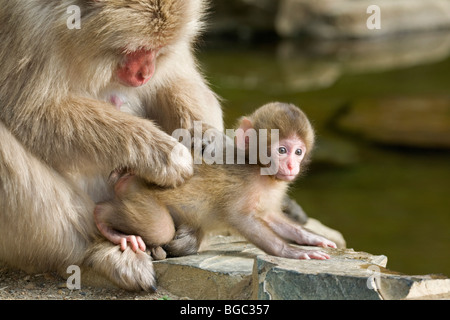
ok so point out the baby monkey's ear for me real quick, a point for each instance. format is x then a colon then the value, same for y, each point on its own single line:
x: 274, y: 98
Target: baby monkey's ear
x: 242, y: 138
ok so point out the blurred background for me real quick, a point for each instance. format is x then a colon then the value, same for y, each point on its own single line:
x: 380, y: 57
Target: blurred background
x: 379, y: 100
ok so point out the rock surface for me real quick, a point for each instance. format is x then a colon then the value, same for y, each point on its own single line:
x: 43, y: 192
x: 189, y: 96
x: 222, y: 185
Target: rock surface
x: 304, y: 66
x: 348, y: 18
x: 18, y: 285
x: 413, y: 122
x: 320, y: 64
x: 348, y: 276
x: 230, y: 268
x: 344, y: 276
x: 242, y: 18
x: 329, y: 19
x: 225, y: 267
x: 221, y: 271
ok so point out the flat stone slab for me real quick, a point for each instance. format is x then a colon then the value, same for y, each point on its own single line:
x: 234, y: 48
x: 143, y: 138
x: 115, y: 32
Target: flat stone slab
x: 231, y: 268
x: 345, y: 276
x: 220, y: 272
x: 348, y: 275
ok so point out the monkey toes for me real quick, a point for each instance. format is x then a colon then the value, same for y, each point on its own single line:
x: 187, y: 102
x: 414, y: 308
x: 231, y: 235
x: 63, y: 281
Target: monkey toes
x: 128, y: 269
x: 136, y: 271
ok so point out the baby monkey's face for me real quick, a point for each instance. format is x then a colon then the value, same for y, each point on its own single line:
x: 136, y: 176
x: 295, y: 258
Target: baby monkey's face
x: 289, y: 152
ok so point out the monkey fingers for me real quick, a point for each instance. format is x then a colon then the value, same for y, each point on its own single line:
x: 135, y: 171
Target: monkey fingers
x: 117, y: 237
x: 305, y: 237
x: 307, y: 255
x: 327, y: 243
x: 135, y: 241
x: 319, y: 241
x: 294, y: 252
x: 318, y: 255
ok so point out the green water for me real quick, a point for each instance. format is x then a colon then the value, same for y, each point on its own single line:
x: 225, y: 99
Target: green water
x: 391, y: 201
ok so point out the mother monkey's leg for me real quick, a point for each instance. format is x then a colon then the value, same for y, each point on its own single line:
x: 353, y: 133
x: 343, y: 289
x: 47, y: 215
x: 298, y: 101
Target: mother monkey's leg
x: 46, y: 223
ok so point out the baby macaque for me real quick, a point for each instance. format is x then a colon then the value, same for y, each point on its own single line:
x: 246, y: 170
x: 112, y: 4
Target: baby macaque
x: 244, y: 197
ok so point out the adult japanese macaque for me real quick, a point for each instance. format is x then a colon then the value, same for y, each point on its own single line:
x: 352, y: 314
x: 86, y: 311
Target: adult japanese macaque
x: 62, y: 131
x: 244, y: 197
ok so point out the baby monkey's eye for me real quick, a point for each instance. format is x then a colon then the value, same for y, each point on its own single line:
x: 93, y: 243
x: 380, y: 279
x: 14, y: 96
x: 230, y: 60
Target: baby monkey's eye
x: 299, y: 152
x: 282, y: 150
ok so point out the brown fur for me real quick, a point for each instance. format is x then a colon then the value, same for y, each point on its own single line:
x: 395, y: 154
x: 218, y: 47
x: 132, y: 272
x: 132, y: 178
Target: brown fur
x: 61, y: 137
x: 286, y: 118
x: 218, y: 195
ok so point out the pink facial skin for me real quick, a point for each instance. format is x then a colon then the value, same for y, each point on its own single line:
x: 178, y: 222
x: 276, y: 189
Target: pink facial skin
x: 138, y: 67
x: 290, y: 154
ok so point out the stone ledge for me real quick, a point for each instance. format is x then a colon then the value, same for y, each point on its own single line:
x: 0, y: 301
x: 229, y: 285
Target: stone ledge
x: 223, y: 270
x: 326, y: 19
x: 226, y: 269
